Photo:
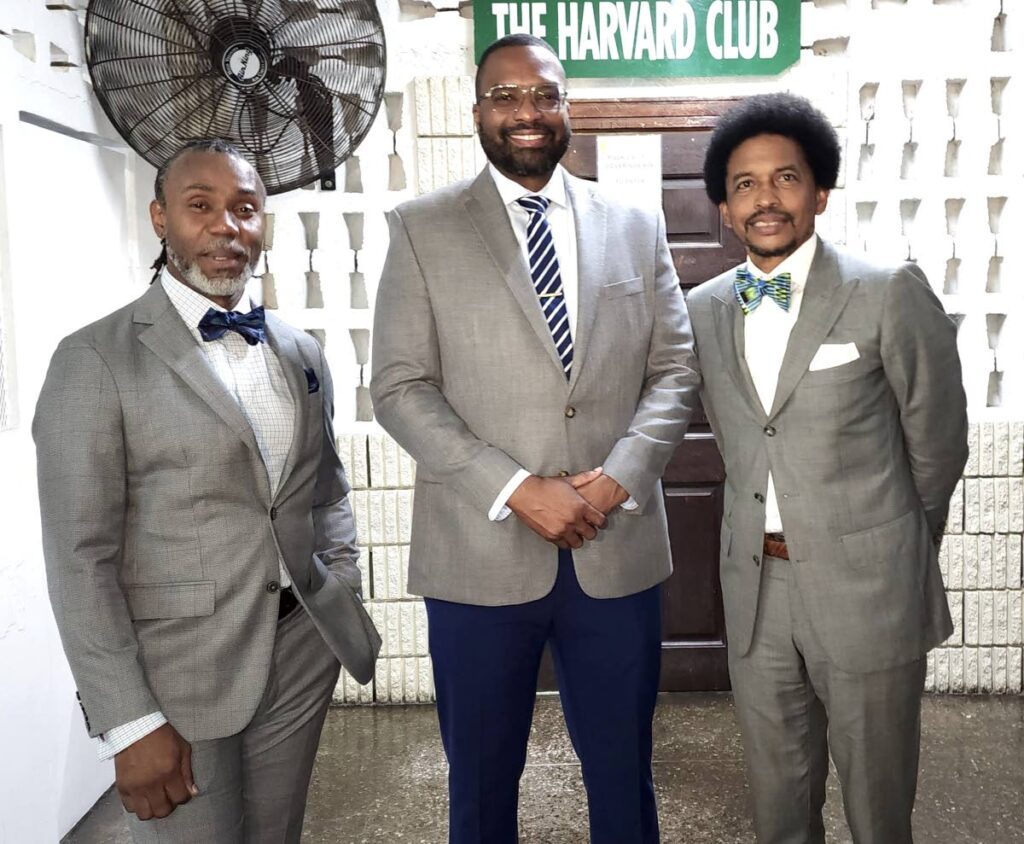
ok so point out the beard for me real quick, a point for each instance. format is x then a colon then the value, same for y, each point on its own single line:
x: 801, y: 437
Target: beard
x: 517, y: 161
x: 775, y: 252
x: 230, y: 286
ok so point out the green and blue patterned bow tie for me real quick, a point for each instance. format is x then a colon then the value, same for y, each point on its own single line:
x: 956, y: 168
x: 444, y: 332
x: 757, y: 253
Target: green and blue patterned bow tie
x: 750, y: 290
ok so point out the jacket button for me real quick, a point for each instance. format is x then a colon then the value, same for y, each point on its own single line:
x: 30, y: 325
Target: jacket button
x: 273, y: 513
x: 757, y: 560
x: 570, y: 412
x: 769, y: 431
x: 563, y: 474
x: 273, y: 587
x: 759, y: 498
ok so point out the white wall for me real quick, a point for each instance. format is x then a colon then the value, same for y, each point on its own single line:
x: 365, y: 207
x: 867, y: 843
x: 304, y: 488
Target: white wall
x: 69, y: 232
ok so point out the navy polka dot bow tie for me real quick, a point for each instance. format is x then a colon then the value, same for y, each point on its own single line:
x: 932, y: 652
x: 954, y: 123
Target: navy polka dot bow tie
x: 251, y: 326
x: 750, y: 290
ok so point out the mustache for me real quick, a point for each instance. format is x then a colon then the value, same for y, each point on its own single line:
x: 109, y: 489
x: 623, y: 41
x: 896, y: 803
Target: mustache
x: 225, y: 246
x: 539, y: 128
x: 764, y: 215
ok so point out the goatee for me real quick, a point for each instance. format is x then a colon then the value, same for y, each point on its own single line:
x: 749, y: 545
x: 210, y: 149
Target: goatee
x: 540, y: 161
x: 777, y: 252
x: 228, y: 287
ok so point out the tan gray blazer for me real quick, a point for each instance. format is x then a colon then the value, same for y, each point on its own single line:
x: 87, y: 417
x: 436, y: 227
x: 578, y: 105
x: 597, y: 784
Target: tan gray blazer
x: 160, y: 532
x: 467, y: 380
x: 864, y: 456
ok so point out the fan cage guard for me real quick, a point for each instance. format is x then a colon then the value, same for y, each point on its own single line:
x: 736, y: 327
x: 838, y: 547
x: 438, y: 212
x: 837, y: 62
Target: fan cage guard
x: 294, y: 84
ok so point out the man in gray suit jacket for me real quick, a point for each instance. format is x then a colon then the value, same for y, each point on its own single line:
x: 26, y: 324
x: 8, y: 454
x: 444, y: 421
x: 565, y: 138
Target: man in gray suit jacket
x: 527, y: 331
x: 199, y: 542
x: 833, y: 388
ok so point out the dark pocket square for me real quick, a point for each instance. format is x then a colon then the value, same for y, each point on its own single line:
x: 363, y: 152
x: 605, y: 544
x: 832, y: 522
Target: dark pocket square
x: 311, y: 380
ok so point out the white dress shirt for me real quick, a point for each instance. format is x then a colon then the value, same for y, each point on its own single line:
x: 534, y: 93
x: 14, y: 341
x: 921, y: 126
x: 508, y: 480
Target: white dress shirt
x: 563, y: 233
x: 253, y: 375
x: 766, y: 336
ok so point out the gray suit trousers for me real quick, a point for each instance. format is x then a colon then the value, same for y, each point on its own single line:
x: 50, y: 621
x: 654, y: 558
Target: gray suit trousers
x: 794, y: 706
x: 252, y: 785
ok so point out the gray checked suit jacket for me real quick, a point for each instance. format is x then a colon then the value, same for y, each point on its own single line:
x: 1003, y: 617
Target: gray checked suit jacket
x: 466, y: 378
x: 160, y: 532
x: 864, y: 456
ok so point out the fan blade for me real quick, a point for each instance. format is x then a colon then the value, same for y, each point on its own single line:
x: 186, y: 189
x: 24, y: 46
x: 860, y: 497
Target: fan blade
x: 309, y: 56
x: 300, y: 10
x: 363, y: 55
x: 363, y: 12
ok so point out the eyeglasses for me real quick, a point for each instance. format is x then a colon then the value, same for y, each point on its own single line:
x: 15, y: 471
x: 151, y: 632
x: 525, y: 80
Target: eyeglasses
x: 508, y: 99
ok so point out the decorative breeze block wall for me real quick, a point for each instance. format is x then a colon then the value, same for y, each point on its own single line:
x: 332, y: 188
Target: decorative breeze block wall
x: 932, y: 172
x: 981, y: 565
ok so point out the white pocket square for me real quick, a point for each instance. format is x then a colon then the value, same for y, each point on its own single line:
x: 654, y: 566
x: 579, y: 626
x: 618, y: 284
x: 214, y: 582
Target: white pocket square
x: 833, y: 354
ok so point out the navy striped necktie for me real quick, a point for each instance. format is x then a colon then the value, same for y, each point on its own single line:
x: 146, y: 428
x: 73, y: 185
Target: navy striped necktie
x: 547, y: 277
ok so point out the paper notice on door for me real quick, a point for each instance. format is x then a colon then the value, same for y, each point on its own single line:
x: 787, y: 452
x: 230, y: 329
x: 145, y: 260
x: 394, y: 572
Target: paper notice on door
x: 629, y: 168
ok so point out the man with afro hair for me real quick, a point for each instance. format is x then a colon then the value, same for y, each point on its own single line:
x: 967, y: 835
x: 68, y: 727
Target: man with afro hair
x: 833, y: 387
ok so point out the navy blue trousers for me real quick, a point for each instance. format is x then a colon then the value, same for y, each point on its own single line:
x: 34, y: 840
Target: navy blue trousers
x: 607, y: 659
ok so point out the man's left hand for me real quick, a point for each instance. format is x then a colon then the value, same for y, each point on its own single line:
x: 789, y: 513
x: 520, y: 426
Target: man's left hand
x: 603, y: 493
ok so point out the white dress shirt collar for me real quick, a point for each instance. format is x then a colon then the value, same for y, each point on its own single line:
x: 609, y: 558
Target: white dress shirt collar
x: 510, y: 191
x: 192, y: 305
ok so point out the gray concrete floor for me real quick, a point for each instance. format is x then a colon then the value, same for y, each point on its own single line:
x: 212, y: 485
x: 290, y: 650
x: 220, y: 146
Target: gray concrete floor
x: 380, y: 778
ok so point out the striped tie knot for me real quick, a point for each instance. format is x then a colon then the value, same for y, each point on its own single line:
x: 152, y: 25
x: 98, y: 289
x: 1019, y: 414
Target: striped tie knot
x: 751, y: 289
x: 534, y: 204
x: 547, y: 277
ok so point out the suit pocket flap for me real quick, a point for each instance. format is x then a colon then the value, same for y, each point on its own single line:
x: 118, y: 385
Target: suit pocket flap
x: 171, y: 600
x: 622, y: 288
x: 879, y: 543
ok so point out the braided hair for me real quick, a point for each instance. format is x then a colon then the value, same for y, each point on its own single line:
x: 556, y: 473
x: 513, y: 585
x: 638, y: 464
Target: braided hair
x: 198, y: 145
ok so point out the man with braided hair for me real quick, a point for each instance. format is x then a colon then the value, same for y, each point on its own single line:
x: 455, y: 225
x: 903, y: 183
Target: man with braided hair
x: 199, y: 542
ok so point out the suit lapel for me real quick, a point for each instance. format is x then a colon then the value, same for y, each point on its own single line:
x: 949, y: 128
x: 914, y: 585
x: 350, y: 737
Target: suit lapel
x: 590, y: 220
x: 282, y: 342
x: 490, y: 220
x: 824, y: 298
x: 169, y: 339
x: 729, y: 328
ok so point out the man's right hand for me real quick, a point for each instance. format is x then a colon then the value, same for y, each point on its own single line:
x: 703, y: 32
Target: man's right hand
x: 553, y: 509
x: 154, y: 775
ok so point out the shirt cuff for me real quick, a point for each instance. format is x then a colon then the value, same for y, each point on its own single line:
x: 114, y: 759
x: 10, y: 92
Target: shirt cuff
x: 499, y: 511
x: 629, y: 504
x: 116, y: 739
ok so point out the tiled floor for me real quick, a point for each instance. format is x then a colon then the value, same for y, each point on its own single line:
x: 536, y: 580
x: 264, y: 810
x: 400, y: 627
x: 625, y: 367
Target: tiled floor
x: 380, y: 778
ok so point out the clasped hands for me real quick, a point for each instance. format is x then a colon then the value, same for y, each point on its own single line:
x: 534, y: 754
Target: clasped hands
x: 567, y: 511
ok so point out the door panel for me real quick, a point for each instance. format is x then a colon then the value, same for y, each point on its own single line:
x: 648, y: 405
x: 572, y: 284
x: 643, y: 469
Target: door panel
x: 693, y: 623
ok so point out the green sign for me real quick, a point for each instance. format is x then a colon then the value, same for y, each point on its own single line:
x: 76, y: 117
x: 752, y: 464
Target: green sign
x: 603, y: 38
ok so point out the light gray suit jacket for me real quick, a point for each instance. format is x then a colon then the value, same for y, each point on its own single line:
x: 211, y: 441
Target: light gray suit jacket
x: 160, y: 531
x: 466, y: 378
x: 864, y: 456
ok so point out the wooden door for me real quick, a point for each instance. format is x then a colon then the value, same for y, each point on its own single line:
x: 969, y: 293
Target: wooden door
x: 693, y: 625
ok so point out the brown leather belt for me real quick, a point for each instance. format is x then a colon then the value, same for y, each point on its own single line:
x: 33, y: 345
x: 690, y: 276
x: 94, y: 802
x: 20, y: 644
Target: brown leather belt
x: 775, y: 546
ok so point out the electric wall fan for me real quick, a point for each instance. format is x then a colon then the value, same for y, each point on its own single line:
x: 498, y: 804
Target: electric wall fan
x: 295, y: 84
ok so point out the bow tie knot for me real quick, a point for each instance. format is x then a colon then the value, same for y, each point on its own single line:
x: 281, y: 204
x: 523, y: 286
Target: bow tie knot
x: 251, y: 326
x: 750, y: 289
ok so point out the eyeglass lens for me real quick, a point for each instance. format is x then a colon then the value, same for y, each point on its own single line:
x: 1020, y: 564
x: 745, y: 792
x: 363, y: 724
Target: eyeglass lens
x: 512, y: 97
